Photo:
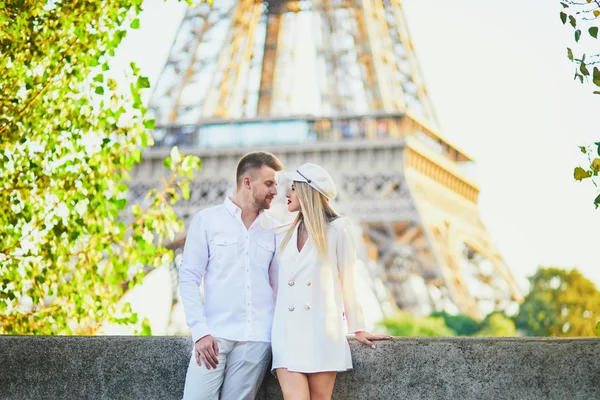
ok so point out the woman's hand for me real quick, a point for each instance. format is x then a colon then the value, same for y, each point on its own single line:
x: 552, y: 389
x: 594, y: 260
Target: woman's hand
x: 366, y: 337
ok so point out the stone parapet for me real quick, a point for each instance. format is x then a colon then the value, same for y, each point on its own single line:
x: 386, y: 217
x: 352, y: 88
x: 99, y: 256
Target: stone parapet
x: 105, y: 367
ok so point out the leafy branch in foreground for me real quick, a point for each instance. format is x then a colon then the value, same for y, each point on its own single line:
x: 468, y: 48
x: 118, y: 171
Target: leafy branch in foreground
x: 71, y: 243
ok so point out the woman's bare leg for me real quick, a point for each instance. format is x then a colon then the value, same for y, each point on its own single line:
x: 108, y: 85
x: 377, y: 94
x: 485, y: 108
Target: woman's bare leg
x: 321, y: 385
x: 294, y: 385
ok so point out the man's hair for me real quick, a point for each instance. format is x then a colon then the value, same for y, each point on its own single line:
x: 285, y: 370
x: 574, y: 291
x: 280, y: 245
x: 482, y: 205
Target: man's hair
x: 256, y: 160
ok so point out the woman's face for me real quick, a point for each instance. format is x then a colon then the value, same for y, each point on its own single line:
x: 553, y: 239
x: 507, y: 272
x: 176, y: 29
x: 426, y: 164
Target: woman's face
x: 293, y: 202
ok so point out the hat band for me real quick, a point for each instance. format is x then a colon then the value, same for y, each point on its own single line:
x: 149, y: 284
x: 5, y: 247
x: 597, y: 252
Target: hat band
x: 311, y: 183
x: 302, y: 175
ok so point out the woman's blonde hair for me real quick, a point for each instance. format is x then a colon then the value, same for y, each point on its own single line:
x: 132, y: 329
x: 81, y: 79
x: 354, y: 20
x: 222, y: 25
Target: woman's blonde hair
x: 316, y: 213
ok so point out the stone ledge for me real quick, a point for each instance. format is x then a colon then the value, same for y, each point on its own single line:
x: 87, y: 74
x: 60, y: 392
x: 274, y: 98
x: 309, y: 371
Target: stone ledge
x: 105, y: 367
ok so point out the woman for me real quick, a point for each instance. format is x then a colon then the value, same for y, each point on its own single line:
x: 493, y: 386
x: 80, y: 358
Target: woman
x: 316, y: 291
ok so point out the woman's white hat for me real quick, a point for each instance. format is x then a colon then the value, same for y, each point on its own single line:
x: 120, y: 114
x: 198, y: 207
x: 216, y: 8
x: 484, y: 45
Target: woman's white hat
x: 316, y: 177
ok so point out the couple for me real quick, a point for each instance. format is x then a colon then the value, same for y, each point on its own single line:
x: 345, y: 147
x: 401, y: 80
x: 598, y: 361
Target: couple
x: 290, y: 291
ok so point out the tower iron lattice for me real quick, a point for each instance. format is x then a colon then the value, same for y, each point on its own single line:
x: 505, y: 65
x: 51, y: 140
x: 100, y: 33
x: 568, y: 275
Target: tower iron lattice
x: 338, y: 83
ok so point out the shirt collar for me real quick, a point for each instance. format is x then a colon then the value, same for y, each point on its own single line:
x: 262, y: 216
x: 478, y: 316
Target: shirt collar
x: 235, y: 210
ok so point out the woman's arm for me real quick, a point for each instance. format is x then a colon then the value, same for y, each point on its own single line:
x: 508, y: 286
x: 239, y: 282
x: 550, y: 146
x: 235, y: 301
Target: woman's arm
x: 347, y: 260
x: 346, y: 264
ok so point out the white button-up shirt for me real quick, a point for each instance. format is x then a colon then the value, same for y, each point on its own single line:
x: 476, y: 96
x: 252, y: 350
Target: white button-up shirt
x: 240, y: 282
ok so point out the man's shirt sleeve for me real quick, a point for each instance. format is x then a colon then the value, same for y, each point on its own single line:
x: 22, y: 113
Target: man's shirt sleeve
x: 191, y: 272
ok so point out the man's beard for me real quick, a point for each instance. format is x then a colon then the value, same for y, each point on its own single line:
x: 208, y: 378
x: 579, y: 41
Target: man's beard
x: 263, y: 204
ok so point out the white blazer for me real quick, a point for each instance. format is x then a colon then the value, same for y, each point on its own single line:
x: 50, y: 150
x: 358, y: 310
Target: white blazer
x: 315, y: 302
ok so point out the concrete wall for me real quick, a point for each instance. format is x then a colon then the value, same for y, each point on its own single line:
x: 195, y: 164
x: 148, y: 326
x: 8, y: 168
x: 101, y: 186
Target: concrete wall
x: 407, y: 368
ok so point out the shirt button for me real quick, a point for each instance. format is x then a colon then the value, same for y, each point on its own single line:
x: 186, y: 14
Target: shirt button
x: 290, y: 283
x: 291, y: 308
x: 307, y: 307
x: 308, y: 283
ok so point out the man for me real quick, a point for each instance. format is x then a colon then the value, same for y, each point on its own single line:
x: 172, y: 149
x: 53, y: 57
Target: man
x: 231, y: 247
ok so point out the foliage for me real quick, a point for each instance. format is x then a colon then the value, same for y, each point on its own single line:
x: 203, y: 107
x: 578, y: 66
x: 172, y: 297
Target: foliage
x: 497, y: 324
x: 559, y: 303
x: 591, y: 171
x: 70, y: 242
x: 463, y: 325
x: 583, y: 16
x: 407, y: 325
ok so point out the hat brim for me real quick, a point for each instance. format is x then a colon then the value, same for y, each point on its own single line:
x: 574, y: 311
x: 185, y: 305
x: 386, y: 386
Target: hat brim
x: 295, y: 176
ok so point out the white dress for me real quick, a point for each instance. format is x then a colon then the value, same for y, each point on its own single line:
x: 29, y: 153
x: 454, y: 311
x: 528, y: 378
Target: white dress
x: 315, y: 301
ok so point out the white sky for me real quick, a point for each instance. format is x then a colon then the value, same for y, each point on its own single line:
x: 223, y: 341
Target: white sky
x: 503, y: 90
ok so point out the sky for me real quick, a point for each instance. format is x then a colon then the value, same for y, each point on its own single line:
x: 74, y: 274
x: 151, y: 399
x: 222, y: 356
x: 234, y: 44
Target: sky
x: 503, y: 91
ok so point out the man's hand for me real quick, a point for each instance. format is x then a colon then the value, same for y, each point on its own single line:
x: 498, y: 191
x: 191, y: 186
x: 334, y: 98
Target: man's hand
x: 206, y: 351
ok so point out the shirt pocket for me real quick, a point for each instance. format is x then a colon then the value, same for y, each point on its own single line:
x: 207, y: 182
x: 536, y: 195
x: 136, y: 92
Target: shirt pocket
x: 264, y: 252
x: 226, y: 249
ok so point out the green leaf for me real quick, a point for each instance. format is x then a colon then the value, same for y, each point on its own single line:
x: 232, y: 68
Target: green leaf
x: 565, y: 5
x: 596, y: 76
x: 583, y: 149
x: 185, y: 189
x: 581, y: 174
x: 143, y: 82
x: 134, y: 68
x: 121, y: 204
x: 598, y: 147
x: 593, y: 31
x: 144, y: 139
x: 136, y: 209
x: 563, y: 17
x: 92, y: 62
x: 149, y: 123
x: 112, y: 84
x: 99, y: 78
x: 577, y: 35
x: 597, y: 204
x: 584, y: 69
x: 135, y: 24
x: 167, y: 162
x: 146, y: 328
x: 99, y: 90
x: 572, y: 21
x: 570, y: 54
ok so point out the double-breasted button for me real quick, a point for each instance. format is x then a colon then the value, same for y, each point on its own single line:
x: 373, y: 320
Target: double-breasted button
x: 290, y: 283
x: 308, y: 283
x: 291, y: 308
x: 307, y: 307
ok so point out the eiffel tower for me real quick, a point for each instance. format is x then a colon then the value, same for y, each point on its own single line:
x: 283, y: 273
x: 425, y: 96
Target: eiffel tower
x: 335, y: 82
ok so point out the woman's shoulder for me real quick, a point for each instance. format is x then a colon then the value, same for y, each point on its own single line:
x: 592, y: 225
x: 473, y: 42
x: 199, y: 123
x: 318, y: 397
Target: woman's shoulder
x: 340, y: 223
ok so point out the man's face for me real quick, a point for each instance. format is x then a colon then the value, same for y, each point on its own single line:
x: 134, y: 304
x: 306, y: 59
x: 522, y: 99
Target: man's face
x: 264, y: 187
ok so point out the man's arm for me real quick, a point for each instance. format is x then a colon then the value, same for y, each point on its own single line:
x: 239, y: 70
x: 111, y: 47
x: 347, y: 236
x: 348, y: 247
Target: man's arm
x: 191, y: 272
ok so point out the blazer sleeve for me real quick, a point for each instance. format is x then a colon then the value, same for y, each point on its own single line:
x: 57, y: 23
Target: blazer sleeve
x: 346, y: 264
x: 274, y: 274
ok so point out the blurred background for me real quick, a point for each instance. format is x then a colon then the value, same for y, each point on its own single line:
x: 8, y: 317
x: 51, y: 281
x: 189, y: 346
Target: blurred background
x: 466, y: 82
x: 452, y: 131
